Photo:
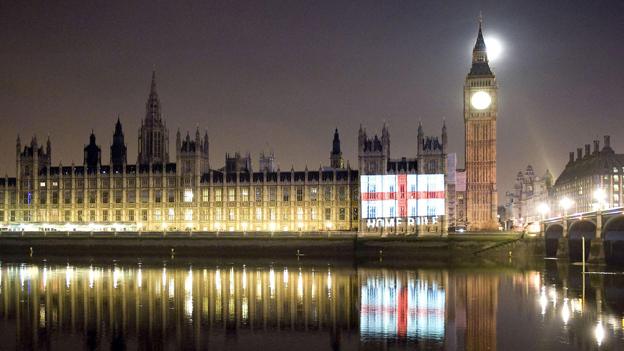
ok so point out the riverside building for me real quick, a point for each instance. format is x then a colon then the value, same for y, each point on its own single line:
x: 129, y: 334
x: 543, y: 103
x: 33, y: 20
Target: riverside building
x: 157, y: 195
x: 591, y: 181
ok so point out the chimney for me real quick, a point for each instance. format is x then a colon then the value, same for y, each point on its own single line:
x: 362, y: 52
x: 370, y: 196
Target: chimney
x: 596, y: 146
x: 571, y: 157
x: 579, y: 153
x: 607, y: 142
x: 587, y: 150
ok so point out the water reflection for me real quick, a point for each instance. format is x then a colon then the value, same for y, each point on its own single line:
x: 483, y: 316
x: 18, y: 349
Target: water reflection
x: 235, y: 306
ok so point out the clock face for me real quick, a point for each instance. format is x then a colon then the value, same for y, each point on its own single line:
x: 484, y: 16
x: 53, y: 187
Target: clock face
x: 481, y: 100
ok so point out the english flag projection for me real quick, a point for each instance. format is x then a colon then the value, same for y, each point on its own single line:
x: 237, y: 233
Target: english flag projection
x: 409, y: 198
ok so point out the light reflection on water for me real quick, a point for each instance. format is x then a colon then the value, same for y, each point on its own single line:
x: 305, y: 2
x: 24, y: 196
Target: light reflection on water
x: 102, y: 306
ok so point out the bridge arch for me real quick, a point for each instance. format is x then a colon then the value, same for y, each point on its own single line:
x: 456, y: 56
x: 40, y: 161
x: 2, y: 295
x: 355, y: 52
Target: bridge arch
x: 613, y: 237
x: 580, y: 229
x: 552, y: 234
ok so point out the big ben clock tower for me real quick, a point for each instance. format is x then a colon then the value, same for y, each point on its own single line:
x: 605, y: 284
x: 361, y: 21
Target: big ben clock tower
x: 480, y: 112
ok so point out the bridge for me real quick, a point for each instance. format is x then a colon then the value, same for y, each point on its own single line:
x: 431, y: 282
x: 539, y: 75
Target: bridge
x: 602, y: 231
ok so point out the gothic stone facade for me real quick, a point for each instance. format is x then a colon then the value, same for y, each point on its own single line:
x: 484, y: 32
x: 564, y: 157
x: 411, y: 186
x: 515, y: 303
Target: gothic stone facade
x: 156, y: 195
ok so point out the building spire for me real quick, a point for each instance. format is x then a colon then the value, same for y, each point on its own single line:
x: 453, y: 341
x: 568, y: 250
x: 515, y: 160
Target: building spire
x: 480, y: 63
x: 152, y: 107
x: 153, y: 86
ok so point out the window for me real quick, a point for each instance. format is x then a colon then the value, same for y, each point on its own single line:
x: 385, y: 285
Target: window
x: 144, y: 182
x: 79, y: 197
x: 92, y: 216
x: 170, y: 195
x: 171, y: 182
x: 258, y: 194
x: 231, y: 214
x: 130, y: 182
x: 105, y: 215
x: 12, y: 216
x: 244, y: 214
x: 118, y: 183
x: 328, y: 193
x: 131, y: 196
x: 285, y: 214
x: 118, y: 196
x: 171, y: 215
x: 157, y: 215
x: 118, y: 216
x: 105, y: 197
x: 43, y: 196
x: 258, y: 214
x: 67, y: 215
x: 218, y: 195
x: 131, y: 215
x: 144, y: 196
x: 244, y: 194
x: 273, y: 193
x: 342, y: 214
x: 299, y: 214
x: 272, y: 214
x: 299, y: 193
x: 158, y: 196
x: 218, y: 214
x: 188, y: 195
x: 313, y: 193
x: 1, y: 215
x: 231, y: 194
x: 314, y: 213
x: 67, y: 197
x: 188, y: 214
x: 328, y: 213
x: 205, y: 195
x: 285, y: 194
x: 80, y: 219
x: 342, y: 193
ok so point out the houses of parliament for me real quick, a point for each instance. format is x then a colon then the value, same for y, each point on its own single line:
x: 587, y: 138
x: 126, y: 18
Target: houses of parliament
x: 162, y: 192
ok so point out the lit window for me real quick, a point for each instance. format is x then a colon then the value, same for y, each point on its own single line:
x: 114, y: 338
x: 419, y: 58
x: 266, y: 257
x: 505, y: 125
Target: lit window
x: 171, y: 214
x: 188, y: 195
x: 188, y: 214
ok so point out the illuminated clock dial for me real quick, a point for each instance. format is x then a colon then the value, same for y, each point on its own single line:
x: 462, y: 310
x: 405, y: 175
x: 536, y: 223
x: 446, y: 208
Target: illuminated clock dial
x: 481, y: 100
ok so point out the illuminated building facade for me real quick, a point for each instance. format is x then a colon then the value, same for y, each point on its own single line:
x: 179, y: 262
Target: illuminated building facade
x: 582, y: 176
x: 480, y: 114
x: 403, y: 195
x: 157, y: 195
x: 529, y: 192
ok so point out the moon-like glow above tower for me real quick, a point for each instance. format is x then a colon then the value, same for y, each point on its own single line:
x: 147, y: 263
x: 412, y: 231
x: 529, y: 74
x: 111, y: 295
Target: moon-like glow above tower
x: 494, y: 48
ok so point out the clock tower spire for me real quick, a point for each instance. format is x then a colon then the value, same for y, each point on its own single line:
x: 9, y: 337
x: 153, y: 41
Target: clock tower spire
x: 480, y: 114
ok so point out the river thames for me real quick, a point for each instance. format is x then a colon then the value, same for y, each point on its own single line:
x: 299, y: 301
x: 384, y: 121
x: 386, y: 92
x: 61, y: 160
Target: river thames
x: 267, y: 304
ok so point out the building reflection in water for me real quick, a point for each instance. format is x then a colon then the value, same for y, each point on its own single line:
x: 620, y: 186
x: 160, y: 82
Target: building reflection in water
x: 147, y: 307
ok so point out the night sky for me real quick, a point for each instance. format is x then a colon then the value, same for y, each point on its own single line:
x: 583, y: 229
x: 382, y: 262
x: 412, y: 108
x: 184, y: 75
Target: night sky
x: 282, y: 74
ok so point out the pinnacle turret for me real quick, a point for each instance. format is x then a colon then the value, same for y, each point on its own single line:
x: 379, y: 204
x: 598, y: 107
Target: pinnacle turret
x: 480, y: 63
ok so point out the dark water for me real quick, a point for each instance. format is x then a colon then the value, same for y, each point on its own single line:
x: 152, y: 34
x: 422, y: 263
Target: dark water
x: 271, y: 306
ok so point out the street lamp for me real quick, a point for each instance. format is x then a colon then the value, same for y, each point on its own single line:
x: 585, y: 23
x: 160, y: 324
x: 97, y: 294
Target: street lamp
x: 565, y: 204
x: 600, y: 196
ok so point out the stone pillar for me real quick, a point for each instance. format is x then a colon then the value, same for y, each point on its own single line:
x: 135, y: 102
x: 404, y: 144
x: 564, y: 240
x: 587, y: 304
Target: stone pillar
x: 444, y: 226
x: 596, y: 250
x: 563, y: 250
